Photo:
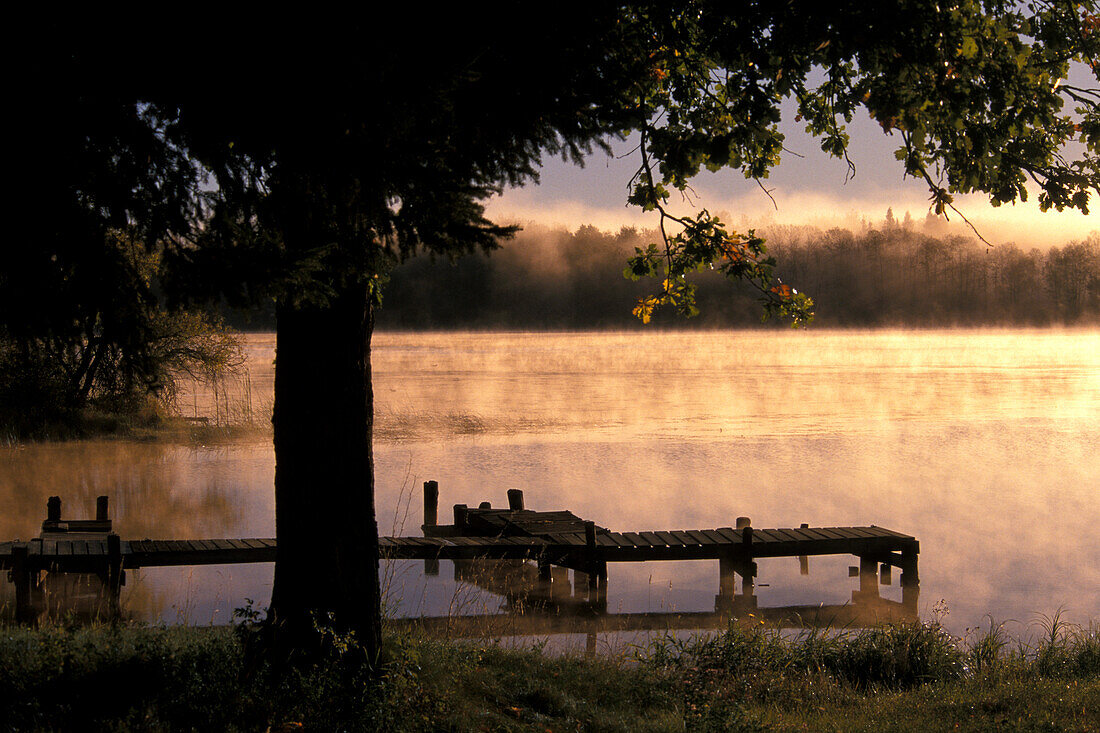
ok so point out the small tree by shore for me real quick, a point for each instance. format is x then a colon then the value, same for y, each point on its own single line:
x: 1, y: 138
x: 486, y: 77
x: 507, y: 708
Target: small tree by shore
x: 121, y: 359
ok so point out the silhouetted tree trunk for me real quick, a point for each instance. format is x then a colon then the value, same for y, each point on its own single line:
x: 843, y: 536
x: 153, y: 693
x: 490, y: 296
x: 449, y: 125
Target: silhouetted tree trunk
x: 327, y: 560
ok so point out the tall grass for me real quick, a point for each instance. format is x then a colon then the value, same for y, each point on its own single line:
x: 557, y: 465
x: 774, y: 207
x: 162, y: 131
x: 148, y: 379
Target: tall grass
x: 909, y: 677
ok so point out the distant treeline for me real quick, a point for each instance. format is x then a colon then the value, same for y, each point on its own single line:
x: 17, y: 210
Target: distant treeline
x: 888, y: 274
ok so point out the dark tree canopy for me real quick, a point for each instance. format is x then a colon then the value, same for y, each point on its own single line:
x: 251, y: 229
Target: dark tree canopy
x: 293, y: 158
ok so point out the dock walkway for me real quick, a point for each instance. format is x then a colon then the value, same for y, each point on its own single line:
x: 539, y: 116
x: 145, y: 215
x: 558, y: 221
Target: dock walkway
x: 550, y: 539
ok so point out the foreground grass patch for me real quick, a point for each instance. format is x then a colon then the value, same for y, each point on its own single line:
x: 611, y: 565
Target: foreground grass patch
x: 912, y: 677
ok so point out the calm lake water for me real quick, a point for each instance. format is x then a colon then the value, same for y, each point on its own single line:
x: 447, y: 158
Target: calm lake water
x: 984, y: 444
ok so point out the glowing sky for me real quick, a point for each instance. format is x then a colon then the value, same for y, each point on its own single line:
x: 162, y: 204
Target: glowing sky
x: 807, y: 190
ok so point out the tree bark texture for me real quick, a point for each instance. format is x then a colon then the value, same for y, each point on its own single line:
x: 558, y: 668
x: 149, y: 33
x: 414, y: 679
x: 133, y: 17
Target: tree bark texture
x: 326, y: 566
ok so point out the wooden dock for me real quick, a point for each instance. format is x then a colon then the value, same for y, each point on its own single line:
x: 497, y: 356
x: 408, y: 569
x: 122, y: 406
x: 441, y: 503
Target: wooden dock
x: 555, y: 543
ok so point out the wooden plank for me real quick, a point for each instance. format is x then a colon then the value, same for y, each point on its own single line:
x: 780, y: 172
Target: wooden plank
x: 604, y: 540
x: 80, y: 548
x: 892, y: 533
x: 668, y: 538
x: 714, y: 537
x: 685, y: 539
x: 815, y: 534
x: 636, y: 539
x: 701, y: 537
x: 831, y: 533
x: 653, y: 539
x: 761, y: 536
x: 49, y: 548
x: 223, y: 545
x: 783, y: 535
x: 252, y: 543
x: 730, y: 534
x: 570, y: 539
x: 620, y: 540
x: 854, y: 533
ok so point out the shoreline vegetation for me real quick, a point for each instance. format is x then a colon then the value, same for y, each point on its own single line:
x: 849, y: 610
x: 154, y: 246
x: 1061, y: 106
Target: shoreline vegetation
x: 906, y: 677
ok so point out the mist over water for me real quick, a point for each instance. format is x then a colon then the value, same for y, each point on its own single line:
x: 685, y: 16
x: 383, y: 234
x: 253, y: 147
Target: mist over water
x: 981, y: 443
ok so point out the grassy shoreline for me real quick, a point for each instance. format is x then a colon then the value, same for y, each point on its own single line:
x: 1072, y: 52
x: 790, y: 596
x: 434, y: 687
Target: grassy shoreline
x: 906, y: 677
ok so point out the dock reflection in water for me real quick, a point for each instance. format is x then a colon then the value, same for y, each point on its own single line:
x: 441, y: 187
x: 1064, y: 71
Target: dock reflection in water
x: 532, y: 608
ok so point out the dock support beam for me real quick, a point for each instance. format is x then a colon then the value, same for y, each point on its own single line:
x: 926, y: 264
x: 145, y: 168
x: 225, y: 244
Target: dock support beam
x: 26, y: 583
x: 868, y: 581
x: 515, y: 500
x: 910, y: 579
x: 723, y: 602
x: 431, y: 519
x: 114, y: 574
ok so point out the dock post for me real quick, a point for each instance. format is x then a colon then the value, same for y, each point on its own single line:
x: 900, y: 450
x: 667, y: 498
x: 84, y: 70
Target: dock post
x: 743, y: 522
x: 580, y: 584
x: 559, y: 583
x: 746, y: 567
x: 593, y: 570
x: 803, y: 560
x: 23, y: 578
x: 53, y: 509
x: 101, y: 513
x: 723, y: 602
x: 461, y: 513
x: 431, y: 503
x: 910, y: 579
x: 868, y: 581
x: 545, y: 587
x: 601, y: 592
x: 431, y: 519
x: 114, y: 574
x: 515, y: 500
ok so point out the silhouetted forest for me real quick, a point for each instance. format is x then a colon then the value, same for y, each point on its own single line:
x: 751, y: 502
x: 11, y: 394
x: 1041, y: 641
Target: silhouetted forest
x: 890, y: 273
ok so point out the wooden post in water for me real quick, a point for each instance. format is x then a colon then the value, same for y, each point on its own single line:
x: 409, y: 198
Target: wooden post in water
x: 21, y: 577
x: 726, y: 584
x: 804, y: 561
x: 743, y: 522
x: 580, y: 585
x: 431, y: 503
x: 559, y: 583
x: 593, y: 571
x: 515, y: 499
x: 53, y: 509
x: 910, y: 580
x: 545, y: 588
x: 461, y: 513
x: 431, y: 519
x: 868, y: 581
x: 114, y: 574
x: 747, y: 567
x: 101, y: 511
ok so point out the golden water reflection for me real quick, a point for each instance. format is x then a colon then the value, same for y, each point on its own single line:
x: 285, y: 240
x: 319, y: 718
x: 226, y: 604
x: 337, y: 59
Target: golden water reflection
x: 982, y: 444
